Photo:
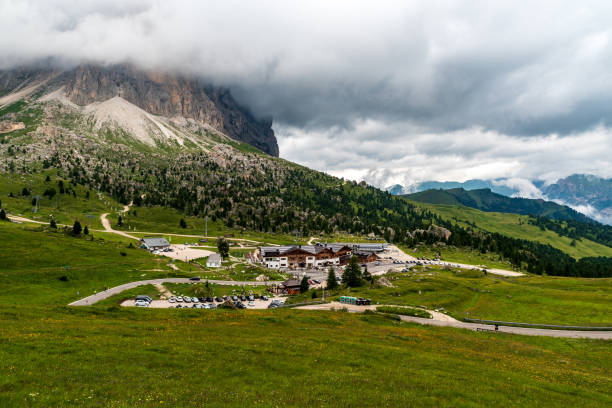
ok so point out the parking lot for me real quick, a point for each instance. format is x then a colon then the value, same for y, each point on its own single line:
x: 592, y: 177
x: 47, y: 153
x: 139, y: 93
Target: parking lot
x: 206, y: 304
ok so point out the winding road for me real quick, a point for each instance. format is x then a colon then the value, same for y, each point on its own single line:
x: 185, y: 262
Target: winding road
x: 441, y: 319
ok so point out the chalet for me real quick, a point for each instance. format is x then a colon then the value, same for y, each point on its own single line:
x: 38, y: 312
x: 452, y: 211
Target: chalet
x: 365, y: 257
x: 304, y: 256
x: 213, y: 261
x: 154, y: 243
x: 290, y: 287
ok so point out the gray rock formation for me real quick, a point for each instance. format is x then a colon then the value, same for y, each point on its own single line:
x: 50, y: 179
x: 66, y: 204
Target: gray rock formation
x: 157, y: 93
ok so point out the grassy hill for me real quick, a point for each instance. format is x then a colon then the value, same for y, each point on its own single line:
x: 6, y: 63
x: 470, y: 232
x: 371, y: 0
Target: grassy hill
x: 518, y: 226
x: 54, y: 355
x: 486, y: 200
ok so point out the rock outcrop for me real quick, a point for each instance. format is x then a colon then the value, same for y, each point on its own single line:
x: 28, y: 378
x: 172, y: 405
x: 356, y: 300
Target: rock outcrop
x: 156, y: 93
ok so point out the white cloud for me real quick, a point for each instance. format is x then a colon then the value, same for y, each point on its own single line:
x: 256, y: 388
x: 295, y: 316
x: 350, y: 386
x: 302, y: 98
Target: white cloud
x: 406, y: 157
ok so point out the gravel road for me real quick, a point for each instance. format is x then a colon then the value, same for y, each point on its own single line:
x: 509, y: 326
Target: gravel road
x: 441, y: 319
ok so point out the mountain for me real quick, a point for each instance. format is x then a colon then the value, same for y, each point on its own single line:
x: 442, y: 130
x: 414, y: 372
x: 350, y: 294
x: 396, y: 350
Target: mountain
x: 587, y: 194
x: 157, y: 94
x: 590, y: 193
x: 486, y: 200
x: 168, y: 143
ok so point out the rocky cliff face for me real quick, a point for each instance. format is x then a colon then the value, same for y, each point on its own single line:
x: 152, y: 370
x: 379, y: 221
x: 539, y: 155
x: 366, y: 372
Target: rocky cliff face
x: 159, y: 94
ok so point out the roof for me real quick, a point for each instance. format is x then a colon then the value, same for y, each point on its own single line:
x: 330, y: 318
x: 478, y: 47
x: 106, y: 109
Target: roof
x: 311, y: 249
x: 291, y: 283
x: 214, y: 257
x: 155, y: 242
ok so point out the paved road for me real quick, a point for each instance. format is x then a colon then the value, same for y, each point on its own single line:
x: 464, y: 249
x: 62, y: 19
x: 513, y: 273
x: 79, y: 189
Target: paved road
x: 440, y: 319
x: 90, y: 300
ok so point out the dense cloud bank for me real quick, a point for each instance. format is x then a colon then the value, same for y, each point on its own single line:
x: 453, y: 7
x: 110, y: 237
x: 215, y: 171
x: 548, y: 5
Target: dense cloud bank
x: 419, y: 90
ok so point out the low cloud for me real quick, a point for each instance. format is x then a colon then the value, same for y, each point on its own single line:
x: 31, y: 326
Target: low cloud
x: 408, y: 158
x: 388, y: 91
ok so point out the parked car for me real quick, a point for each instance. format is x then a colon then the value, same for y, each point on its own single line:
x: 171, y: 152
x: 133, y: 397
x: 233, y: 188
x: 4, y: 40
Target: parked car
x: 195, y: 278
x: 209, y: 299
x: 204, y: 306
x: 243, y: 298
x: 187, y: 299
x: 251, y: 298
x: 240, y: 305
x: 235, y: 298
x: 172, y: 300
x: 142, y: 303
x: 251, y: 303
x: 264, y: 297
x: 179, y: 306
x: 145, y: 298
x: 317, y: 281
x: 219, y: 299
x: 212, y: 306
x: 272, y: 305
x: 179, y: 299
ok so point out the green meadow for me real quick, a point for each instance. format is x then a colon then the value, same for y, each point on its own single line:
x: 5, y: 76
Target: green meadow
x: 108, y: 356
x: 516, y: 226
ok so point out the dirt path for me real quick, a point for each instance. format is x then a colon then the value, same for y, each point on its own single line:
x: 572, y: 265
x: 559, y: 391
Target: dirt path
x: 398, y: 254
x: 107, y: 228
x: 165, y: 293
x: 107, y: 225
x: 441, y: 319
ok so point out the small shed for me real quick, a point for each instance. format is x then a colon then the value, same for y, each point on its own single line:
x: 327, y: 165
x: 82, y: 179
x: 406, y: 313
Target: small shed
x: 154, y: 243
x: 213, y: 261
x: 291, y: 286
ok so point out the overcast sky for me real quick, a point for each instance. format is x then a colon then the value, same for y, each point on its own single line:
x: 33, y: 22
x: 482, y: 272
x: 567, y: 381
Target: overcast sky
x: 389, y: 92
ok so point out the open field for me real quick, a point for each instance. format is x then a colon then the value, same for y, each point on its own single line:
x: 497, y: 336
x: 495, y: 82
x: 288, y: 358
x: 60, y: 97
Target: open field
x: 516, y: 226
x: 54, y: 355
x: 528, y: 299
x: 101, y: 356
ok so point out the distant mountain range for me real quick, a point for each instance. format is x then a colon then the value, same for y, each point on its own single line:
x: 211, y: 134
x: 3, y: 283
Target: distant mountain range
x: 587, y: 194
x: 486, y: 200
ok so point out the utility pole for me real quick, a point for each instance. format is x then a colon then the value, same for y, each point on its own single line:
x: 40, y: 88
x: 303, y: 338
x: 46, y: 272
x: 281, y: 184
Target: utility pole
x: 206, y: 226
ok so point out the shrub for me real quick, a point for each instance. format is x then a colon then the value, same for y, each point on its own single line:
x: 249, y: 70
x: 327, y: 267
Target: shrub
x: 76, y: 228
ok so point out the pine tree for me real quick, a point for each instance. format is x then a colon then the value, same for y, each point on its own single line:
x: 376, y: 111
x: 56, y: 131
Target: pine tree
x: 182, y: 223
x: 86, y: 230
x: 304, y: 285
x: 120, y: 221
x: 332, y: 281
x: 352, y: 274
x: 3, y: 215
x: 223, y: 248
x: 76, y: 228
x: 52, y: 224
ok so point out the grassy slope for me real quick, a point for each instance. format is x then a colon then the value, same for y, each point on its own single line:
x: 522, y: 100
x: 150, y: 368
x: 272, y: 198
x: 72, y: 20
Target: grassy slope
x: 508, y: 224
x: 65, y: 208
x: 277, y: 358
x: 529, y: 299
x: 53, y: 355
